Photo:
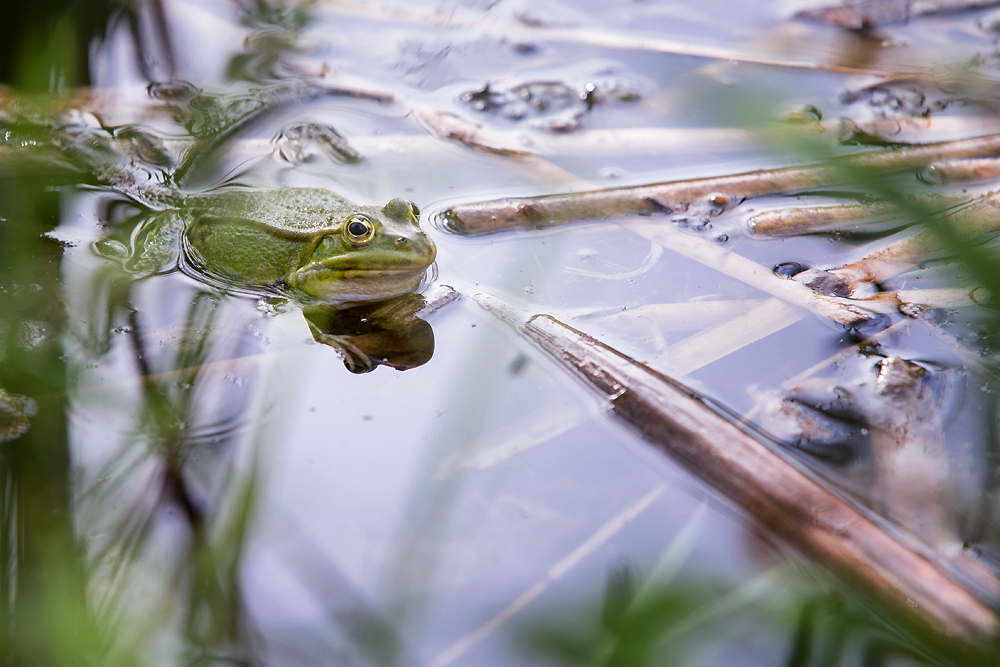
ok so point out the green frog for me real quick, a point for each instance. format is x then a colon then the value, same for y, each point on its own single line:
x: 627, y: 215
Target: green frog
x: 318, y: 244
x: 308, y: 239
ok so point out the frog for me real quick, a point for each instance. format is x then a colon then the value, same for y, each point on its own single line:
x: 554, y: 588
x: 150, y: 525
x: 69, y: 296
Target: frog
x: 312, y: 240
x: 311, y: 243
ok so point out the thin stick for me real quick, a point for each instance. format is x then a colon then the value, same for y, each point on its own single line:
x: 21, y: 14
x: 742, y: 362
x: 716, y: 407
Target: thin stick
x: 736, y: 266
x: 780, y: 496
x: 533, y: 212
x: 975, y: 219
x: 611, y: 528
x: 833, y: 219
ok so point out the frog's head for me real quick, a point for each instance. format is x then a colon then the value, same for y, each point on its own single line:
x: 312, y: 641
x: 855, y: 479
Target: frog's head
x: 375, y: 253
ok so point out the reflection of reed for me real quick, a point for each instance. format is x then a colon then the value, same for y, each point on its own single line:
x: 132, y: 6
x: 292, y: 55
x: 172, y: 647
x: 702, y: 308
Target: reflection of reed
x: 174, y: 478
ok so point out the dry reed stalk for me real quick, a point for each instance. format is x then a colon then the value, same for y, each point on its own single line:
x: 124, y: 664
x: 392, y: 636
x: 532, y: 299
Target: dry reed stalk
x: 724, y: 338
x: 678, y: 316
x: 646, y: 140
x: 627, y: 141
x: 831, y: 219
x: 535, y: 212
x: 963, y: 171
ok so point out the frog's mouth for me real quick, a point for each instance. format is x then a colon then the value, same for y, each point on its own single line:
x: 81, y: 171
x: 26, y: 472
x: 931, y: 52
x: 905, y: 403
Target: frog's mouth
x: 340, y: 280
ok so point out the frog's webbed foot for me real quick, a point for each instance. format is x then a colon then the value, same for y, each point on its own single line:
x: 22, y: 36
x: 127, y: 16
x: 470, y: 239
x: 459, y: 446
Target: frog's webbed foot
x: 215, y: 121
x: 152, y: 245
x: 300, y: 142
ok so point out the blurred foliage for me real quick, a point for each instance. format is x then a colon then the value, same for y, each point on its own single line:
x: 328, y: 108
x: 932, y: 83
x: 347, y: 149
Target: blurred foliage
x: 49, y: 611
x: 56, y: 606
x: 639, y: 622
x: 44, y: 45
x: 43, y: 613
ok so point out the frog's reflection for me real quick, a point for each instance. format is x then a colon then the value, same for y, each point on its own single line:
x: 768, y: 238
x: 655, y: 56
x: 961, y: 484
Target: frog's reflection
x: 388, y: 332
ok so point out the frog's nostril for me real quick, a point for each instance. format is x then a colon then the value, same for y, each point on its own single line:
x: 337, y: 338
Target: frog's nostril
x: 400, y: 240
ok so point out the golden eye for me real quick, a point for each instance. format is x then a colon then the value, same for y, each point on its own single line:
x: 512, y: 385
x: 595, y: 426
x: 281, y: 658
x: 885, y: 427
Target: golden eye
x: 359, y: 230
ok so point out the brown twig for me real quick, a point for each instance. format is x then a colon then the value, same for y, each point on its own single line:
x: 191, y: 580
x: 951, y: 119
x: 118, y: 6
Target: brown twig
x: 534, y: 212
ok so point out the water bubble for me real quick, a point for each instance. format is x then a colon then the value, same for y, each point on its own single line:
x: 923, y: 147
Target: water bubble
x: 719, y: 200
x: 807, y: 114
x: 933, y: 174
x: 174, y: 91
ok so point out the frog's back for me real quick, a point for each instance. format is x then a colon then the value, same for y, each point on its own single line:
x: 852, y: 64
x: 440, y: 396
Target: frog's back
x: 290, y: 209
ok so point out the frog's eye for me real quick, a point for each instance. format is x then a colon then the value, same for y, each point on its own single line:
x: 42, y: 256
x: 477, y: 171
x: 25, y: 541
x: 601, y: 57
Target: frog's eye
x: 414, y: 210
x: 359, y: 230
x: 402, y: 210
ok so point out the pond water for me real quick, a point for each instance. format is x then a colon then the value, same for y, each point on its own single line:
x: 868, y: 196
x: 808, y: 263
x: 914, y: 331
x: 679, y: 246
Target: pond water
x: 242, y: 495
